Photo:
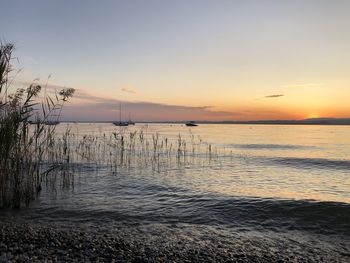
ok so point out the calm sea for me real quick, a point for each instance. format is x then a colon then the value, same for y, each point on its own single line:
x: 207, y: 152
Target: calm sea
x: 280, y: 180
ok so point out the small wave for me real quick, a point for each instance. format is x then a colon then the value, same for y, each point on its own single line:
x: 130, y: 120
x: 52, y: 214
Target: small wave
x: 311, y: 163
x: 321, y: 217
x: 212, y: 210
x: 271, y: 146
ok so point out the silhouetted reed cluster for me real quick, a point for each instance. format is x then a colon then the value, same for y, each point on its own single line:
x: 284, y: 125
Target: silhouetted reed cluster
x: 33, y: 153
x: 123, y: 150
x: 24, y: 144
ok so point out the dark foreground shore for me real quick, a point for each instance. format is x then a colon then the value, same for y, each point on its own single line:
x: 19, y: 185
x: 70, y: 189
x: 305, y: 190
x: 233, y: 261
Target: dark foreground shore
x: 23, y: 242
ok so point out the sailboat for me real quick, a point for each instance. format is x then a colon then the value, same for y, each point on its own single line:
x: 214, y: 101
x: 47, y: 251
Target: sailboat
x: 120, y: 122
x: 130, y: 122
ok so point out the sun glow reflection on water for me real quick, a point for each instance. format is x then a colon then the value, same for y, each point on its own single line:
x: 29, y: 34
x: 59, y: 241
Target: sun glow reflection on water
x: 279, y: 161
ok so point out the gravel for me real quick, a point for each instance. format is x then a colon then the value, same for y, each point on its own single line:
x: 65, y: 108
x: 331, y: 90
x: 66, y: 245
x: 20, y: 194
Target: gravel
x: 30, y: 242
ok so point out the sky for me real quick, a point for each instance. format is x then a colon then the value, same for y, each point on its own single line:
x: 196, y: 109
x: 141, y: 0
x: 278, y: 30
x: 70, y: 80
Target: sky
x: 186, y: 59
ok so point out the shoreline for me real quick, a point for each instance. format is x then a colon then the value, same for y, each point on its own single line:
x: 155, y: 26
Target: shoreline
x: 31, y: 242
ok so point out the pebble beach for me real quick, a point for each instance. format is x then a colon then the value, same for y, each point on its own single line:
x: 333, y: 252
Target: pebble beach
x: 29, y: 242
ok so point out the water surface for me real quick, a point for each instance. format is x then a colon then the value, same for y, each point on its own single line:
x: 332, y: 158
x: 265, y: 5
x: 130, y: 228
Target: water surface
x: 293, y: 180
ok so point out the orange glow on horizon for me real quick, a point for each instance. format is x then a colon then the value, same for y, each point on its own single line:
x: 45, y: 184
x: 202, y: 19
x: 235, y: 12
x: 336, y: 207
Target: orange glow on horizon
x: 313, y: 116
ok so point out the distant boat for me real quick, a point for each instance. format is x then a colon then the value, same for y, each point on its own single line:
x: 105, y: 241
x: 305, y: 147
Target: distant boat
x: 130, y: 122
x: 191, y: 124
x: 120, y: 122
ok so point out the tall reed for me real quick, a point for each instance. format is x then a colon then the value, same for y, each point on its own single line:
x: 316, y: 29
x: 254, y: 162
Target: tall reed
x: 33, y: 153
x: 23, y: 146
x: 141, y: 150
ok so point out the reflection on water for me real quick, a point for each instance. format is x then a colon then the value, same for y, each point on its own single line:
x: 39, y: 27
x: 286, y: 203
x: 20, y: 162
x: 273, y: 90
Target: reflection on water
x: 279, y: 178
x: 279, y: 161
x: 271, y: 146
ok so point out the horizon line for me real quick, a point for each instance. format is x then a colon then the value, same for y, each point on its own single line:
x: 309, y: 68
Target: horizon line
x: 308, y: 121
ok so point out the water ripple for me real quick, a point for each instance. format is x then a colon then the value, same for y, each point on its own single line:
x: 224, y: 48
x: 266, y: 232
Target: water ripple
x: 272, y: 146
x: 310, y: 163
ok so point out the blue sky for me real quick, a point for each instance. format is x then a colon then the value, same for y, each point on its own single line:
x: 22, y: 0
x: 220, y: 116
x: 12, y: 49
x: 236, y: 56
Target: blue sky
x: 221, y: 56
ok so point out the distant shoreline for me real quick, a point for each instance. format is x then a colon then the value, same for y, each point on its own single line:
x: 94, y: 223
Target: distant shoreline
x: 321, y: 121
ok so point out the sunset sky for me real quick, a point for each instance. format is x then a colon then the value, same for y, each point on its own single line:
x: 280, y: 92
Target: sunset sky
x: 187, y: 59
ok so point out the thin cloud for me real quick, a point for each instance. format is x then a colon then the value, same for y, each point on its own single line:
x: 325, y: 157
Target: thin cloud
x: 106, y: 110
x: 132, y: 91
x: 303, y: 85
x: 87, y: 107
x: 274, y: 96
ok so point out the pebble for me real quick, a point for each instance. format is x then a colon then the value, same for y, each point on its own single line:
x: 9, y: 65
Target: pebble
x: 41, y: 243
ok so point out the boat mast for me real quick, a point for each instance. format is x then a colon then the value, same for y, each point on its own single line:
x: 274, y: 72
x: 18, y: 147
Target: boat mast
x: 120, y: 112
